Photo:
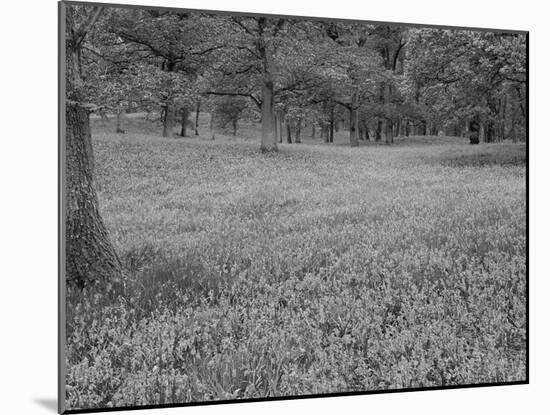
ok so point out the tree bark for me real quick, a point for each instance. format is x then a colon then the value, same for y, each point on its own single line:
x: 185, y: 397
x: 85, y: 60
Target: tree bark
x: 389, y: 131
x: 482, y: 132
x: 120, y: 115
x: 90, y: 256
x: 184, y: 116
x: 169, y: 120
x: 378, y: 134
x: 398, y: 128
x: 353, y: 120
x: 352, y: 128
x: 298, y: 139
x: 269, y: 139
x: 288, y: 132
x: 197, y: 112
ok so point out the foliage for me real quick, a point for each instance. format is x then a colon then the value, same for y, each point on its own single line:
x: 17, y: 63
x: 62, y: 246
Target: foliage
x: 257, y: 276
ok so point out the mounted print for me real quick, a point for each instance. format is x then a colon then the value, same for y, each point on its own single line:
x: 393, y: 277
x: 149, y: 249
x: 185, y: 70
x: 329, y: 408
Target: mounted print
x: 258, y: 207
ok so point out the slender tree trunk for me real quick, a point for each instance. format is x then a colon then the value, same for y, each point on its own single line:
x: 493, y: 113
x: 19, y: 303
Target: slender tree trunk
x: 378, y: 134
x: 234, y: 123
x: 313, y: 130
x: 169, y: 120
x: 513, y: 111
x: 184, y: 116
x: 197, y: 112
x: 288, y: 132
x: 481, y: 132
x: 281, y: 128
x: 398, y: 128
x: 298, y: 139
x: 120, y: 115
x: 104, y: 118
x: 389, y: 131
x: 352, y: 128
x: 90, y: 256
x: 212, y: 132
x: 501, y: 132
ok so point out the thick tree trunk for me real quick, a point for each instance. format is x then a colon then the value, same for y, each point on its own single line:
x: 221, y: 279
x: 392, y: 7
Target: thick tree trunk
x: 169, y: 120
x: 269, y: 139
x: 90, y: 256
x: 197, y: 112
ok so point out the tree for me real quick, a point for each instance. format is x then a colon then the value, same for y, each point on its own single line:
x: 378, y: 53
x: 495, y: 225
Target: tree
x: 166, y: 51
x: 460, y: 78
x: 247, y: 68
x: 229, y: 110
x: 90, y: 255
x: 354, y: 71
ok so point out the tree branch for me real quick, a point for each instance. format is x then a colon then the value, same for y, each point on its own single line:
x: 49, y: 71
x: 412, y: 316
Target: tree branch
x: 87, y: 25
x: 235, y: 94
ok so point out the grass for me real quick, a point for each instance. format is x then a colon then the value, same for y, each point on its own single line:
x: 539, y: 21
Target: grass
x: 318, y: 269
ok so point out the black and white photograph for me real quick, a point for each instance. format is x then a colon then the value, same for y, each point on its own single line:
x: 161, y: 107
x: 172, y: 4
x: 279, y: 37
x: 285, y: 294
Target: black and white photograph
x: 258, y: 207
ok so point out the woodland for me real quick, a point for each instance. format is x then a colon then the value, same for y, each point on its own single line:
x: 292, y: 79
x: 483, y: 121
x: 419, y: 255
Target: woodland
x: 261, y: 206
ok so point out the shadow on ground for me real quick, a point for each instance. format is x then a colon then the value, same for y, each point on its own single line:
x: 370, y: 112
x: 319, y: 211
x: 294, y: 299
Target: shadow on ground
x: 48, y: 403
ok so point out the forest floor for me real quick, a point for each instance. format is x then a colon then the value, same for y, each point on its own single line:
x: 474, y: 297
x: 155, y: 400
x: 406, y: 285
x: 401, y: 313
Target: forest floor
x: 320, y: 268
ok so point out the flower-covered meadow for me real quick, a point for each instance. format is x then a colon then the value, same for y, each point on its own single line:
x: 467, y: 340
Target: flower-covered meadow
x: 318, y: 269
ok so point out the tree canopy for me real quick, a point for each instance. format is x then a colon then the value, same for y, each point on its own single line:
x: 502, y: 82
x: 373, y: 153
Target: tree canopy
x: 384, y: 80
